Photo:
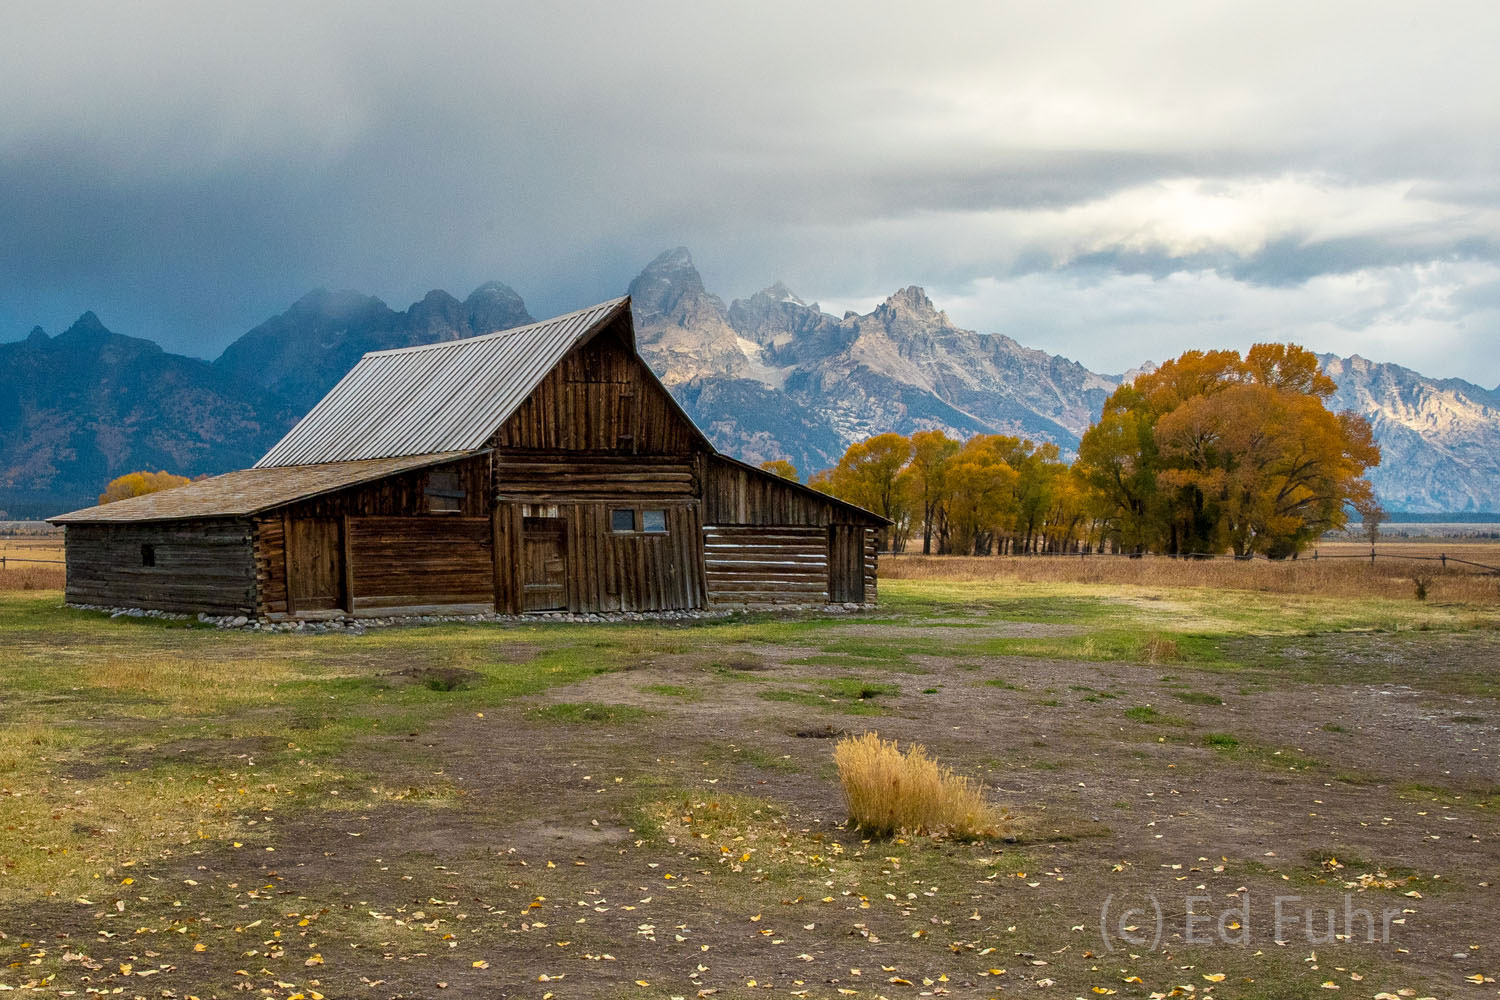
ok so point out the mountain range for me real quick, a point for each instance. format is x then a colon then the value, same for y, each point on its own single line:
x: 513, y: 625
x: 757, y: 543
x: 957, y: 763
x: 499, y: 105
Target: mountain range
x: 769, y: 376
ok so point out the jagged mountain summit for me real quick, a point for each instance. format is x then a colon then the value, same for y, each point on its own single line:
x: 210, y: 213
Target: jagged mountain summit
x: 300, y: 354
x: 80, y: 408
x: 775, y: 359
x: 1439, y: 438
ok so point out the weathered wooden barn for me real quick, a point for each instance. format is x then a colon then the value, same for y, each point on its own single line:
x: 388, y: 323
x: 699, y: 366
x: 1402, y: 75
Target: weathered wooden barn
x: 535, y: 469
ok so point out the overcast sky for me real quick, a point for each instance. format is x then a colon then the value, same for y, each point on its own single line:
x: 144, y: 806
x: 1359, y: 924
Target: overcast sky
x: 1113, y: 182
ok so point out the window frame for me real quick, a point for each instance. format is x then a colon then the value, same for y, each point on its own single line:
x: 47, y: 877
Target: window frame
x: 660, y: 512
x: 449, y: 490
x: 614, y: 514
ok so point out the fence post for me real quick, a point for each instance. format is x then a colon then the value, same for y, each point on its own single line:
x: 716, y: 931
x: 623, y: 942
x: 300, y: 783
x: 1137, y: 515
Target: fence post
x: 1443, y: 557
x: 1372, y: 555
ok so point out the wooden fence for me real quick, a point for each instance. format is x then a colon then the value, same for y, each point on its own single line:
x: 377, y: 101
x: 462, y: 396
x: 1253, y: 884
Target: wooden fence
x: 1442, y: 558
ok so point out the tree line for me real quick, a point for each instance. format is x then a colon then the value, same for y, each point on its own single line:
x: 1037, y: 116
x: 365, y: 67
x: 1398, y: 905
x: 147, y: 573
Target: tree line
x: 1212, y: 452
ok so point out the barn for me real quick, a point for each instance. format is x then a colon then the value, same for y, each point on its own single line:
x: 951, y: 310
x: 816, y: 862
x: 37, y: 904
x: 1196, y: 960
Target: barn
x: 538, y: 469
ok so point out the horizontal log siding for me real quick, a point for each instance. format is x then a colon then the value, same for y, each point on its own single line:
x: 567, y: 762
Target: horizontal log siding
x: 420, y: 561
x: 872, y: 564
x: 781, y: 564
x: 205, y: 565
x: 600, y: 398
x: 553, y: 476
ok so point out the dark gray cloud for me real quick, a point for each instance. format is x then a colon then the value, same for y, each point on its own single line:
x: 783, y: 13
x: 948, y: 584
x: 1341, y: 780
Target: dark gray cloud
x: 187, y: 171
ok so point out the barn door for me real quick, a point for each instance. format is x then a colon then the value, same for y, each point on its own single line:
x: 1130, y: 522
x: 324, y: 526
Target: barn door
x: 544, y: 579
x: 315, y: 564
x: 846, y: 563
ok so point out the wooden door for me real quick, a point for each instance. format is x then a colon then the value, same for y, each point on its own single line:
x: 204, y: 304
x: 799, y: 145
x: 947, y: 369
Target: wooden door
x: 544, y: 577
x: 315, y: 564
x: 846, y: 563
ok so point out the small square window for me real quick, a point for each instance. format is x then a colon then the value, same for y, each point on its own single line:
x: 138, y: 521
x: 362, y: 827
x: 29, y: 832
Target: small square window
x: 445, y: 495
x: 654, y: 522
x: 622, y: 520
x: 148, y: 555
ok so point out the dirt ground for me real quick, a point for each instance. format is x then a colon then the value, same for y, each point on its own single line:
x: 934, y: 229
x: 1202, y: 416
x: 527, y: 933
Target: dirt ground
x: 675, y: 828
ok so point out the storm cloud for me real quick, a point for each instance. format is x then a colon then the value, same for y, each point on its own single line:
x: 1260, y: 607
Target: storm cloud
x: 1116, y: 182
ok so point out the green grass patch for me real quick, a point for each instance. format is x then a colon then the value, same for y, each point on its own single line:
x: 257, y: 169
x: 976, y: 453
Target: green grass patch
x: 852, y: 695
x: 1198, y: 698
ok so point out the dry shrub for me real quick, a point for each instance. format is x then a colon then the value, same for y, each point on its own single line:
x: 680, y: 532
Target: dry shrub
x: 1423, y: 583
x: 888, y: 791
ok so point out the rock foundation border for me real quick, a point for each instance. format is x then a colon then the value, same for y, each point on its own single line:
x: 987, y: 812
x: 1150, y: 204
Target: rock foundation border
x: 360, y: 625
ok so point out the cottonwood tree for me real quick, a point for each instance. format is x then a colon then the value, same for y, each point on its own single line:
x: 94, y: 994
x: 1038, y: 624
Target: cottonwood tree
x: 780, y: 467
x: 135, y: 484
x: 1212, y: 451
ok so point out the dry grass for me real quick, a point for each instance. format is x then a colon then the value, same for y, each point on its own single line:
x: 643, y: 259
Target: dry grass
x: 22, y: 574
x: 19, y: 576
x: 1161, y: 649
x: 1389, y: 578
x: 891, y: 791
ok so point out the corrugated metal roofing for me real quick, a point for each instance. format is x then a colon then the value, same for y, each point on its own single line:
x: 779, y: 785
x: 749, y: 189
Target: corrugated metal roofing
x: 250, y: 491
x: 441, y: 397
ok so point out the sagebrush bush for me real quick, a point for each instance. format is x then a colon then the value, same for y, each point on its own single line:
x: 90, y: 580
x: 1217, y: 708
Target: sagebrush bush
x: 889, y: 790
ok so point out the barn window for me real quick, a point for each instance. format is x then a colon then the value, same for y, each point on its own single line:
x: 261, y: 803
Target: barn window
x: 148, y: 555
x: 444, y: 494
x: 654, y: 522
x: 621, y: 520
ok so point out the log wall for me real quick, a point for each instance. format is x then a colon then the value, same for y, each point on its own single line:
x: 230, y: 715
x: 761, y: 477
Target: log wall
x: 553, y: 476
x: 203, y: 566
x: 418, y: 562
x: 766, y: 565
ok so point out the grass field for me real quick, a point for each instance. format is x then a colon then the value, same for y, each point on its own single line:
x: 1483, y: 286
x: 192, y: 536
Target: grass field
x: 653, y: 811
x: 32, y: 563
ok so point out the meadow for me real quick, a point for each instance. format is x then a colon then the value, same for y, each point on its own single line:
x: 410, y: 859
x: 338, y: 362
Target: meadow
x: 653, y: 810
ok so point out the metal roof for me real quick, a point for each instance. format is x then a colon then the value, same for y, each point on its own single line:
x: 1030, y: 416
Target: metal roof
x: 444, y: 397
x: 250, y: 491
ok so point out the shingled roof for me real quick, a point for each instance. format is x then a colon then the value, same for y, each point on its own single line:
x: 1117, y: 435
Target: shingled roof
x: 443, y: 397
x: 250, y: 491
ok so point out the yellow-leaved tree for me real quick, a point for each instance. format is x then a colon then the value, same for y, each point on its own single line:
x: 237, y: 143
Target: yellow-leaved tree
x: 780, y: 467
x: 1214, y: 451
x: 135, y: 484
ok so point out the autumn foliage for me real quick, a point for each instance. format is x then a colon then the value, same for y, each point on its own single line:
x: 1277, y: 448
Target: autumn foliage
x: 1211, y: 452
x: 135, y: 484
x: 780, y: 467
x: 1214, y: 452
